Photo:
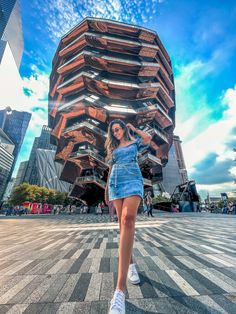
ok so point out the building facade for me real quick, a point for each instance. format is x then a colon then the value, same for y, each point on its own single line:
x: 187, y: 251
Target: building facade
x: 48, y: 171
x: 43, y: 142
x: 103, y: 70
x: 174, y: 173
x: 6, y: 160
x: 11, y: 28
x: 15, y: 123
x: 20, y: 177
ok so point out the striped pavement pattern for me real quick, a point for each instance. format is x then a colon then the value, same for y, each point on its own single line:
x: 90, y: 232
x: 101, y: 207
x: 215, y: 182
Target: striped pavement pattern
x: 68, y: 264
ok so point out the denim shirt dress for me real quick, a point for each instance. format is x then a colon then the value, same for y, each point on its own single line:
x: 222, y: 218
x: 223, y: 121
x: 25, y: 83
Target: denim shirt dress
x: 126, y: 178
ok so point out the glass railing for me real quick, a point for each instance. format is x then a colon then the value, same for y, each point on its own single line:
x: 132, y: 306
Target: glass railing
x: 87, y: 179
x: 89, y: 152
x: 158, y: 131
x: 85, y: 124
x: 151, y: 157
x: 147, y: 182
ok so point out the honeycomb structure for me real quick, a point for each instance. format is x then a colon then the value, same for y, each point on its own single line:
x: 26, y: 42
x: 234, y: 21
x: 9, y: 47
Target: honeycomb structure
x: 103, y: 70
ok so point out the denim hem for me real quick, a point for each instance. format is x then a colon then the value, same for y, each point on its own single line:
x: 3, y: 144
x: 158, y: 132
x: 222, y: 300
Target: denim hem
x: 119, y: 198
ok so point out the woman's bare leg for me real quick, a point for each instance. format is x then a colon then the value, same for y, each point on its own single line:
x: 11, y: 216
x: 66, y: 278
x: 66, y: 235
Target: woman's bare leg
x: 118, y: 206
x: 128, y: 217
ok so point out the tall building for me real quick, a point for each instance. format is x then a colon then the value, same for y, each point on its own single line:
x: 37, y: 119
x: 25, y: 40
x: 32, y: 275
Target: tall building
x: 14, y: 123
x: 48, y: 171
x: 20, y: 177
x: 102, y: 70
x: 6, y: 160
x: 8, y: 191
x: 174, y: 173
x: 180, y: 159
x: 11, y: 28
x: 43, y: 142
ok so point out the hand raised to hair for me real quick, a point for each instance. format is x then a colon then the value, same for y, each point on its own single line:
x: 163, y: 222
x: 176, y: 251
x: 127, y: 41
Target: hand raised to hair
x: 131, y: 127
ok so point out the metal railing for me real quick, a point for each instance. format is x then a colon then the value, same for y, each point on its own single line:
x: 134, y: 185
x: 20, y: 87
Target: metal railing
x: 151, y: 157
x: 86, y: 179
x: 85, y: 124
x: 88, y: 152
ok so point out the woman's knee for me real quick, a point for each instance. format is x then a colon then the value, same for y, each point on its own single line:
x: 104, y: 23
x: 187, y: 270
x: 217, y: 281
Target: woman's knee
x: 128, y: 220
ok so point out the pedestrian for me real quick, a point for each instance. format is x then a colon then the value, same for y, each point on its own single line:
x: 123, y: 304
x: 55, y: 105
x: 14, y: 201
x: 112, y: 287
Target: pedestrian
x: 125, y: 189
x: 145, y: 204
x: 234, y: 207
x: 149, y: 204
x: 231, y: 209
x: 225, y: 209
x: 102, y: 206
x: 111, y: 208
x: 98, y: 209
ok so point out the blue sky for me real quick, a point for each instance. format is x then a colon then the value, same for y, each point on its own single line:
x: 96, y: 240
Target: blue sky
x: 200, y: 37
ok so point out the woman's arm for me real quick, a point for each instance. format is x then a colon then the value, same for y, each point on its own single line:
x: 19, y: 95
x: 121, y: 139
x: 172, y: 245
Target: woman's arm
x: 106, y: 189
x: 146, y: 137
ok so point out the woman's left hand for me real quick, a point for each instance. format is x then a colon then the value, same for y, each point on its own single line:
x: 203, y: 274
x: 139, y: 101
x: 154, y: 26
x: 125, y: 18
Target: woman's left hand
x: 131, y: 127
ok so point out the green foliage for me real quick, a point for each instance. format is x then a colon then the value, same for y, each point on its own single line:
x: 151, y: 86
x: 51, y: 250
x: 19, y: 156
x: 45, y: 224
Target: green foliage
x: 160, y: 199
x: 220, y: 204
x: 37, y: 194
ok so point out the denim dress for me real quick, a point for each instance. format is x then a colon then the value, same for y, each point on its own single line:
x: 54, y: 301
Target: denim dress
x: 125, y: 177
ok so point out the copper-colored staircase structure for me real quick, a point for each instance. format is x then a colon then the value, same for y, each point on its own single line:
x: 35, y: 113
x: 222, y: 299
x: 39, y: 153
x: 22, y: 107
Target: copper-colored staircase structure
x: 103, y: 70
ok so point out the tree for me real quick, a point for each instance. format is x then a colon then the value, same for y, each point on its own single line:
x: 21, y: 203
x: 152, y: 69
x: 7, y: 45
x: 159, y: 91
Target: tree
x: 37, y: 194
x: 20, y: 194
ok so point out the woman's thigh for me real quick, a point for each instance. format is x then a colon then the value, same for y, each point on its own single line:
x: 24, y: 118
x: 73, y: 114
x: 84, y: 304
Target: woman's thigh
x: 130, y: 205
x: 118, y: 206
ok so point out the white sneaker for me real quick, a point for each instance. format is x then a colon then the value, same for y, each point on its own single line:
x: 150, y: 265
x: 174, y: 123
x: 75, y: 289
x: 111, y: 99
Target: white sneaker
x: 133, y: 275
x: 117, y: 303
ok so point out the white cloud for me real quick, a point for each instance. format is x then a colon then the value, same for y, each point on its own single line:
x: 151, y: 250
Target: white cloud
x: 60, y: 15
x: 200, y: 135
x: 214, y: 139
x: 24, y: 94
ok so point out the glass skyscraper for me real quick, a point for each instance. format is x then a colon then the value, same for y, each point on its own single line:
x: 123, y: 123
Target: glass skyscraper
x: 6, y: 160
x: 11, y: 27
x: 43, y: 142
x: 14, y: 124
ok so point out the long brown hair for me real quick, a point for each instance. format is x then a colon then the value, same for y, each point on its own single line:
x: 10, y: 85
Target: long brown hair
x: 111, y: 142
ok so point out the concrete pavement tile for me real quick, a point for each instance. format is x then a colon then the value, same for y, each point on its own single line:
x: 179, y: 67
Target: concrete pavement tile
x: 17, y: 309
x: 81, y: 288
x: 94, y: 268
x: 146, y: 287
x: 4, y: 308
x: 85, y: 266
x: 225, y: 302
x: 52, y: 292
x: 94, y: 288
x: 107, y: 286
x: 16, y: 288
x: 104, y: 265
x: 113, y: 264
x: 7, y: 282
x: 66, y: 308
x: 26, y: 291
x: 34, y: 308
x: 37, y: 293
x: 82, y: 308
x: 67, y: 289
x: 50, y: 308
x: 99, y: 307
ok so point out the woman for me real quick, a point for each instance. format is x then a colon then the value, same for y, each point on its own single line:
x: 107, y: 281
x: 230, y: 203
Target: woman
x: 98, y: 209
x: 125, y: 189
x: 149, y: 204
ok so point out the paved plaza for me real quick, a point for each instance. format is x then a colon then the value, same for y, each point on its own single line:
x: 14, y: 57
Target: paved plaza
x: 68, y: 264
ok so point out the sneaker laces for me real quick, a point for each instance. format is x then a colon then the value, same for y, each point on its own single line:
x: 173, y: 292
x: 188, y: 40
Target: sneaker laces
x: 118, y: 300
x: 132, y: 269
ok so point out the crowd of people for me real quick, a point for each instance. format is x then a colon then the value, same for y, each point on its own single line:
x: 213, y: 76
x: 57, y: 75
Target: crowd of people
x: 229, y: 208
